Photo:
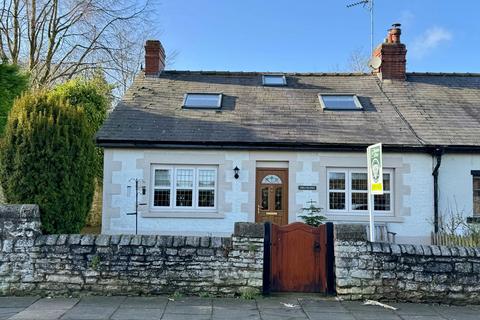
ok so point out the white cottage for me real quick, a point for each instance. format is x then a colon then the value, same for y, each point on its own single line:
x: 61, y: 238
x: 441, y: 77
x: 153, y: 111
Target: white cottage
x: 209, y: 149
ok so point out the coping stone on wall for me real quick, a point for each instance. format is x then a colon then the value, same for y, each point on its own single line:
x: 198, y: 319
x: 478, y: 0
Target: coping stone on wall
x: 350, y: 232
x: 249, y: 230
x: 19, y: 211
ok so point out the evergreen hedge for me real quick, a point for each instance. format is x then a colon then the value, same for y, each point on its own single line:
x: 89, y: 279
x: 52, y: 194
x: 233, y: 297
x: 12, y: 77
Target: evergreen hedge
x: 12, y: 84
x: 94, y: 97
x: 47, y: 158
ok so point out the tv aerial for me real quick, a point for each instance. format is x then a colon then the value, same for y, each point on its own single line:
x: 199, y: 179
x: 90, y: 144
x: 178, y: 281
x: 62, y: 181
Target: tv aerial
x: 368, y: 4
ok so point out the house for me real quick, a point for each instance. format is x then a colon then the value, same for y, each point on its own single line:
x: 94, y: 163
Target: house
x: 213, y: 148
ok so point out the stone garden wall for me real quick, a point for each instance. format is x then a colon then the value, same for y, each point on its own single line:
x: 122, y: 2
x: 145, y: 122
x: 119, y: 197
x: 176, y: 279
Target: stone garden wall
x: 415, y: 273
x: 32, y: 263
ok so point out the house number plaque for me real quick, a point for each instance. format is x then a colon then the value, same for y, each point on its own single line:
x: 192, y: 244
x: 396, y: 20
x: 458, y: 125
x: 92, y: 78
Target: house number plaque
x: 307, y: 188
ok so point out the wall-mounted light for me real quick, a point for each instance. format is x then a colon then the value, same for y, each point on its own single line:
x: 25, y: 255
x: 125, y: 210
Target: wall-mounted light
x: 236, y: 170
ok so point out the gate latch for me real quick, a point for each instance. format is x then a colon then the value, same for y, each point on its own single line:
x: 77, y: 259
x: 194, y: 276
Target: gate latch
x: 316, y: 246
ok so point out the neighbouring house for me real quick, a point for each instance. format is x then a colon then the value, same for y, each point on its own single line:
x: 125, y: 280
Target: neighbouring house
x: 213, y: 147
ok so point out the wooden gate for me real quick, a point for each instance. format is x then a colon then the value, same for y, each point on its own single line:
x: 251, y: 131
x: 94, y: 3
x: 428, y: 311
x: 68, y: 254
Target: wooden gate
x: 298, y: 258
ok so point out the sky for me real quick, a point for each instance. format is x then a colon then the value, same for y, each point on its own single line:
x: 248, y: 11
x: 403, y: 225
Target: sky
x: 315, y: 35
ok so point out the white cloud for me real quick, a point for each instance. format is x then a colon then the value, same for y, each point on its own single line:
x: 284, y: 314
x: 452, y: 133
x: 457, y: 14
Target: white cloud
x: 429, y: 41
x: 406, y: 18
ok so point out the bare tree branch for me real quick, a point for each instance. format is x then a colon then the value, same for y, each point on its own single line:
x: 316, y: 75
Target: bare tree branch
x: 59, y: 39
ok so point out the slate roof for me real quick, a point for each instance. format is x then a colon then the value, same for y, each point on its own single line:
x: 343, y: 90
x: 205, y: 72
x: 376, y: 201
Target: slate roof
x: 425, y: 110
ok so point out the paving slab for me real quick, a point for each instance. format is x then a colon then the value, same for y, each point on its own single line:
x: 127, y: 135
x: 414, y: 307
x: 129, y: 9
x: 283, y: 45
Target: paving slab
x: 53, y: 304
x: 46, y: 309
x: 88, y: 312
x: 414, y: 309
x: 330, y: 316
x: 38, y: 315
x: 144, y: 302
x: 188, y: 309
x: 375, y: 315
x: 174, y: 316
x: 296, y: 307
x: 6, y: 313
x: 110, y: 301
x: 137, y: 314
x: 17, y: 302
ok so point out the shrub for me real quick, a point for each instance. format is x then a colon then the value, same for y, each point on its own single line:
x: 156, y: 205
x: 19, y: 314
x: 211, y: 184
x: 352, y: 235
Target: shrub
x: 47, y: 156
x: 12, y: 84
x: 312, y: 215
x: 94, y: 97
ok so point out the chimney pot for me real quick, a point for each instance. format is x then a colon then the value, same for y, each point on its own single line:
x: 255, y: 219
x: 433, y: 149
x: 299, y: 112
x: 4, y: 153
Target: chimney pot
x: 393, y: 56
x: 154, y: 58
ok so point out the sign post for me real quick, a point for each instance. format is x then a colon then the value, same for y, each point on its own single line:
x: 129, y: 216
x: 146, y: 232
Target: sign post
x: 375, y: 181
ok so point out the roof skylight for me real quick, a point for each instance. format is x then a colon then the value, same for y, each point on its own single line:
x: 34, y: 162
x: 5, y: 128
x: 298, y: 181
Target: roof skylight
x: 274, y: 80
x: 339, y: 101
x: 202, y: 101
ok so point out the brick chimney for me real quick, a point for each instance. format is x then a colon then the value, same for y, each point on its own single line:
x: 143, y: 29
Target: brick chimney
x: 154, y: 58
x: 392, y: 54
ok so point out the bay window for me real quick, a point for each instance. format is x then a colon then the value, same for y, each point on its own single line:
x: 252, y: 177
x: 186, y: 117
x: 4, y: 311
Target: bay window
x: 348, y: 191
x: 184, y: 187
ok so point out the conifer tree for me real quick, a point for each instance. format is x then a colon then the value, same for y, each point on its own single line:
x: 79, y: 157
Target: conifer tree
x: 47, y: 159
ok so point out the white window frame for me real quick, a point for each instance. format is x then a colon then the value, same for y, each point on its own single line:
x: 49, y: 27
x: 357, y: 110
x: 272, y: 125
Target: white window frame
x: 348, y: 192
x: 358, y: 105
x: 284, y: 80
x: 218, y: 104
x: 173, y: 188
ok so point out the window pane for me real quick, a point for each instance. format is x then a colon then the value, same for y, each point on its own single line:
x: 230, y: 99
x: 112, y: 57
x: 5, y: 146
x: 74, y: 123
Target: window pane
x: 206, y: 198
x: 341, y: 102
x: 336, y: 180
x: 161, y: 198
x: 184, y: 178
x: 206, y: 178
x: 278, y: 80
x: 359, y: 201
x: 386, y: 181
x: 195, y: 100
x: 476, y: 183
x: 272, y: 179
x: 476, y: 202
x: 359, y: 181
x: 162, y: 178
x: 337, y: 200
x: 264, y: 200
x: 184, y: 198
x: 382, y: 202
x: 278, y: 198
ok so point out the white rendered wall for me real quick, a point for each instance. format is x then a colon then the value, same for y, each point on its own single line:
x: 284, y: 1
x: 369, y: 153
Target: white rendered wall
x: 413, y: 183
x: 455, y: 183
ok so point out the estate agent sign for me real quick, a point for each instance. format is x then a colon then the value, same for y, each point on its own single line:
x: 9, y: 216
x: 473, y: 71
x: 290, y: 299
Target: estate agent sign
x: 375, y: 180
x: 375, y: 172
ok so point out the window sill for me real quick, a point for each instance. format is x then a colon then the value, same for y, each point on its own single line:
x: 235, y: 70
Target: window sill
x: 355, y: 217
x: 186, y: 215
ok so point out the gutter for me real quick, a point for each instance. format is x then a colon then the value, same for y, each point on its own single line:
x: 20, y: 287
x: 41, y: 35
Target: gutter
x: 272, y: 146
x: 437, y: 154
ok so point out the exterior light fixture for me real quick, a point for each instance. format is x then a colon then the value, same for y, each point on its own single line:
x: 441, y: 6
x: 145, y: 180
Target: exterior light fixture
x: 236, y: 170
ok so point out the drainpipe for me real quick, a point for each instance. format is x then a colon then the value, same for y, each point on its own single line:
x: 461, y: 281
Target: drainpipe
x: 437, y: 154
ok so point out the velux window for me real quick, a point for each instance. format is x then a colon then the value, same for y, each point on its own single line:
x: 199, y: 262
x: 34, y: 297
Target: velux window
x: 348, y: 191
x: 274, y: 80
x: 202, y: 101
x: 182, y: 187
x: 339, y: 101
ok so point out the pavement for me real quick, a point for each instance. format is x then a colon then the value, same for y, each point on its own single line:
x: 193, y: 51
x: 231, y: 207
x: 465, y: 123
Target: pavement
x: 193, y: 308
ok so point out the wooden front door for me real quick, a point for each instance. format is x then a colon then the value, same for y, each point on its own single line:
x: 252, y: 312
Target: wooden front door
x: 299, y: 258
x: 271, y: 202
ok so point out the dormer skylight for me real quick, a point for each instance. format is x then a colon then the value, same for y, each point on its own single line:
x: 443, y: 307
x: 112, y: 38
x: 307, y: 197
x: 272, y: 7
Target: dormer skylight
x: 202, y: 101
x: 335, y: 101
x: 274, y: 80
